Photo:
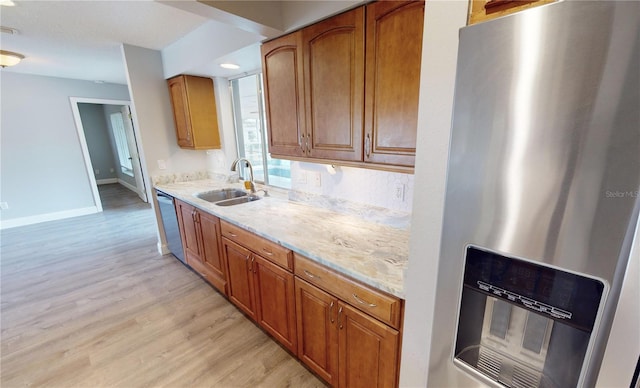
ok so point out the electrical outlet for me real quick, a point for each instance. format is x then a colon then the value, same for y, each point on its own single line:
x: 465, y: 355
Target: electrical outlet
x: 162, y: 165
x: 97, y: 172
x: 398, y: 193
x: 111, y: 170
x: 4, y: 205
x: 317, y: 179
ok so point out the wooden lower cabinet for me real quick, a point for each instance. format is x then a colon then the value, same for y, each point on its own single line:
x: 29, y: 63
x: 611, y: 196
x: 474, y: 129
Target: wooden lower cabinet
x: 264, y: 291
x: 367, y: 350
x: 276, y: 305
x: 200, y: 233
x: 241, y: 292
x: 342, y: 345
x: 317, y: 330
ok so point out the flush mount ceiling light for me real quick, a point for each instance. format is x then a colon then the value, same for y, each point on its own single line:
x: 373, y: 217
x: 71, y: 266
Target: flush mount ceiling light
x: 231, y: 66
x: 7, y: 3
x: 8, y: 58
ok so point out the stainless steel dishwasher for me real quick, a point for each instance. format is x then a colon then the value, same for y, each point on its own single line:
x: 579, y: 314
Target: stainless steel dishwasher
x: 170, y: 221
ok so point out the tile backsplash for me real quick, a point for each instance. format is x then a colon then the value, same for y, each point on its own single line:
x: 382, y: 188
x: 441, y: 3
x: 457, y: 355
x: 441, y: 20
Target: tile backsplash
x: 389, y: 190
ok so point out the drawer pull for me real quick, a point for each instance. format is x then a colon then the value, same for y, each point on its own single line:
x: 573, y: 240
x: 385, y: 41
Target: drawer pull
x: 363, y: 302
x: 232, y: 235
x: 268, y: 252
x: 310, y: 275
x: 331, y: 312
x: 340, y: 317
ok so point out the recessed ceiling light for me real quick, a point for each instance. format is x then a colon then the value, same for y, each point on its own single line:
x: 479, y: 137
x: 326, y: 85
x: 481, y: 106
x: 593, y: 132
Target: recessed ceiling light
x: 231, y: 66
x: 7, y: 3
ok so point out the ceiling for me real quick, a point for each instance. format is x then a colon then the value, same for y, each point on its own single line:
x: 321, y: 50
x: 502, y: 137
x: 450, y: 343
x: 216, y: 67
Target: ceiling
x: 82, y: 39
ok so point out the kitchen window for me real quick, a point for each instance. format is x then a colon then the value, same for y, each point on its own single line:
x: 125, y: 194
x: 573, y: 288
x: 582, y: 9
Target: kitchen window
x: 251, y: 133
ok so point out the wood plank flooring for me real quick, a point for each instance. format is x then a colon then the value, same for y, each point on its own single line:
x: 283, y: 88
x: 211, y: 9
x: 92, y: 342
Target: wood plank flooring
x: 89, y: 302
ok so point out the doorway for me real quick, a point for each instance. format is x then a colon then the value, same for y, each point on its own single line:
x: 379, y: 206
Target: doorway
x: 109, y: 145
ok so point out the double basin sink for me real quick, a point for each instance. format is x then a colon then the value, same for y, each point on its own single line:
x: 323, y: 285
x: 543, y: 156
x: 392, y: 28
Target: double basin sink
x: 227, y: 197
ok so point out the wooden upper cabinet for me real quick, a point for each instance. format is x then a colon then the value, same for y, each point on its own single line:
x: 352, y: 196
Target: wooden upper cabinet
x: 394, y: 56
x: 284, y: 99
x: 334, y: 86
x: 194, y: 112
x: 483, y: 10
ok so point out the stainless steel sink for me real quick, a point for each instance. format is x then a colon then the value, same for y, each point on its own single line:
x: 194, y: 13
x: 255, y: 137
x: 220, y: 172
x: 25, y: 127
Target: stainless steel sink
x: 221, y: 194
x: 239, y: 200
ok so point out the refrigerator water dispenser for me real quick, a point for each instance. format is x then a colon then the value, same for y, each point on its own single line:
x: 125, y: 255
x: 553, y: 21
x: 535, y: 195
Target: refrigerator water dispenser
x: 523, y: 324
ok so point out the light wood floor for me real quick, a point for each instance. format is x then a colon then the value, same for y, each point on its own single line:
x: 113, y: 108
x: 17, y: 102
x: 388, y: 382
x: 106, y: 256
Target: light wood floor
x: 88, y: 302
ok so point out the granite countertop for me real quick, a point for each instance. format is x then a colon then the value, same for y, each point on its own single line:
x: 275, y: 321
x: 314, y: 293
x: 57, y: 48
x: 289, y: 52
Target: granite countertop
x: 371, y: 252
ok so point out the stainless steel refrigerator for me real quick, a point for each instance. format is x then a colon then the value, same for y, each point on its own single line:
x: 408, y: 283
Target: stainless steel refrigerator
x: 542, y: 196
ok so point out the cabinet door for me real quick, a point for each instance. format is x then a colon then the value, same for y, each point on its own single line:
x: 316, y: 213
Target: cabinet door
x: 483, y: 10
x: 276, y: 303
x: 368, y: 350
x: 394, y: 53
x: 334, y: 86
x: 240, y: 280
x: 317, y: 330
x: 178, y: 93
x: 189, y: 231
x: 284, y: 96
x: 211, y: 251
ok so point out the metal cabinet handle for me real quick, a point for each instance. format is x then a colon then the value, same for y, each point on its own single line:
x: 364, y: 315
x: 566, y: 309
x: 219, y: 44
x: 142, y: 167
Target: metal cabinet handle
x: 232, y: 235
x: 340, y: 317
x: 363, y: 302
x: 253, y: 260
x: 331, y: 312
x: 303, y: 144
x: 268, y: 252
x: 310, y: 275
x: 250, y: 262
x: 367, y: 145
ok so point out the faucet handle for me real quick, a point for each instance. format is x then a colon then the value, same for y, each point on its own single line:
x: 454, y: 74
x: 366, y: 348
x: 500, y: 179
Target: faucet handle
x: 266, y: 193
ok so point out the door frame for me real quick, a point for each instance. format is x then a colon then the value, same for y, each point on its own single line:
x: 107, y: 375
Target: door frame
x: 83, y: 140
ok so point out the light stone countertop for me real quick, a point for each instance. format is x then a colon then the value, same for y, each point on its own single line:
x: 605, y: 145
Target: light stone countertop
x: 373, y: 253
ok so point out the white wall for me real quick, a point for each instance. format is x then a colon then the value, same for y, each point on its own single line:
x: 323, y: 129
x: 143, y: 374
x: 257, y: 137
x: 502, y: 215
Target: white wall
x: 42, y: 172
x: 296, y: 14
x: 439, y: 54
x: 153, y: 115
x: 99, y: 143
x: 359, y: 185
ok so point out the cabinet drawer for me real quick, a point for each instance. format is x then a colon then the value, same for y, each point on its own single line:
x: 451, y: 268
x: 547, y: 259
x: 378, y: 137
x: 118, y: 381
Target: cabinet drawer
x: 384, y: 307
x: 263, y: 247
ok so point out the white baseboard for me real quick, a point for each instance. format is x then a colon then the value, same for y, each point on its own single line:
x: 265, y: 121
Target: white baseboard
x: 15, y: 222
x: 106, y: 181
x: 163, y: 248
